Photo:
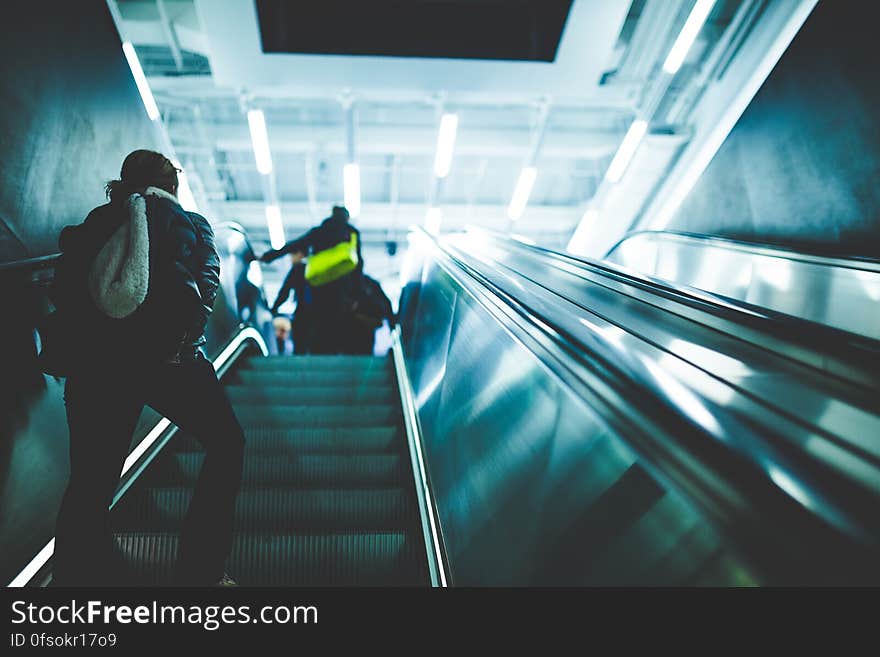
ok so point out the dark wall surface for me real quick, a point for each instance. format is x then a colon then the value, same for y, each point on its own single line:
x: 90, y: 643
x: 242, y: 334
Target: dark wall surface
x: 801, y: 166
x: 69, y: 113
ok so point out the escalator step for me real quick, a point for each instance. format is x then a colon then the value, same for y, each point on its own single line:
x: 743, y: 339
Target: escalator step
x: 274, y: 509
x: 312, y: 363
x: 330, y: 559
x: 369, y: 394
x: 182, y: 469
x: 314, y: 440
x: 361, y: 415
x: 312, y: 379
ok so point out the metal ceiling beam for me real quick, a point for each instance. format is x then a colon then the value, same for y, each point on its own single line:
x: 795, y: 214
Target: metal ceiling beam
x: 170, y: 36
x: 412, y: 140
x: 376, y: 216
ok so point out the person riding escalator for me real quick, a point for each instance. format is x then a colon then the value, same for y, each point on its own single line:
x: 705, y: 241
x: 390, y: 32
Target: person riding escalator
x: 332, y: 297
x: 302, y: 323
x: 370, y: 310
x: 134, y: 288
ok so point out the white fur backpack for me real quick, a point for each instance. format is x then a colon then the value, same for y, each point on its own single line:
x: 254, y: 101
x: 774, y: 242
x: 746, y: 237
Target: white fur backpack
x: 119, y: 277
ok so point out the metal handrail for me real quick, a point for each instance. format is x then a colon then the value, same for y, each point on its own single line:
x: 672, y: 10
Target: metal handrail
x: 39, y: 262
x: 805, y: 253
x: 848, y: 355
x: 434, y: 544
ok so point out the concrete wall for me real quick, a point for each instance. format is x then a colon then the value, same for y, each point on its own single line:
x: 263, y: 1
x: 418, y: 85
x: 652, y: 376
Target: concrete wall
x: 70, y: 113
x: 801, y: 166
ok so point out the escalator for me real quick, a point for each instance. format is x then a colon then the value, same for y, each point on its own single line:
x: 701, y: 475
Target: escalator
x: 327, y: 496
x: 544, y: 420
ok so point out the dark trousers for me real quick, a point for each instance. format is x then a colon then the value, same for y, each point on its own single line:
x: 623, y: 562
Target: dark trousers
x: 301, y: 330
x: 103, y: 406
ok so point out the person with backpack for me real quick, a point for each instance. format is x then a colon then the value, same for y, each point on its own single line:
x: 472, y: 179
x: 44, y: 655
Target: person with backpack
x: 370, y: 309
x: 333, y: 273
x: 133, y: 289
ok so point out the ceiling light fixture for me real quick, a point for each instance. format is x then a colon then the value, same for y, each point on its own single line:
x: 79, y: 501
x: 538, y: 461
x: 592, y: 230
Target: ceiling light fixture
x: 578, y: 242
x: 433, y: 219
x: 141, y: 81
x: 692, y: 26
x: 276, y: 227
x: 260, y: 141
x: 521, y: 193
x: 184, y: 192
x: 351, y: 180
x: 626, y: 150
x: 445, y: 144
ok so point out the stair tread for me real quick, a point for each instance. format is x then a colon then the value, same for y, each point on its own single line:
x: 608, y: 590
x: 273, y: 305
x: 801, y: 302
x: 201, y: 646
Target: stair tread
x: 303, y: 470
x: 326, y: 496
x: 292, y: 395
x: 355, y: 415
x: 290, y: 559
x: 330, y: 378
x: 310, y: 440
x: 275, y: 508
x: 317, y: 362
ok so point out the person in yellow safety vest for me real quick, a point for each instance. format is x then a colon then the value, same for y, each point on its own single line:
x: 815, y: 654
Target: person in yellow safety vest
x: 331, y: 302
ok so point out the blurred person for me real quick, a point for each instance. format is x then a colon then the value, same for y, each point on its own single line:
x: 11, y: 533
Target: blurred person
x: 330, y: 308
x: 371, y: 308
x: 282, y: 331
x: 135, y: 286
x: 302, y: 321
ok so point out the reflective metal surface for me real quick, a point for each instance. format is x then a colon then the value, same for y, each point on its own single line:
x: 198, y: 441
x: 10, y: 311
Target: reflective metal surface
x: 241, y: 278
x: 576, y: 434
x: 841, y: 293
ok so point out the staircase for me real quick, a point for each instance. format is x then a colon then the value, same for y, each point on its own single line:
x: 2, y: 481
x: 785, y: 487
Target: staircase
x: 327, y: 497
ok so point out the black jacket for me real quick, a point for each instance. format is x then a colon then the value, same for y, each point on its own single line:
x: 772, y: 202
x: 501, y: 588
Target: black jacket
x: 184, y: 278
x: 329, y: 233
x: 373, y: 305
x: 294, y: 281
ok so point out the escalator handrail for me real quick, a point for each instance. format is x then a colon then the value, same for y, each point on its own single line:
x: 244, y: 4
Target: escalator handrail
x: 30, y: 264
x: 809, y: 253
x: 238, y: 228
x: 150, y: 445
x: 732, y: 489
x: 854, y: 351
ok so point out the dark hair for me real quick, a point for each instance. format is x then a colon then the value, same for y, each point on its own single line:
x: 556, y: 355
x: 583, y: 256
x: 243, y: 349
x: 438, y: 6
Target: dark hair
x: 339, y: 214
x: 142, y: 169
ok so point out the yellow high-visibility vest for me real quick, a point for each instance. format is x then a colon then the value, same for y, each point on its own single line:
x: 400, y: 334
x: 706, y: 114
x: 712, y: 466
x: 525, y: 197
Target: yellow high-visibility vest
x: 332, y: 264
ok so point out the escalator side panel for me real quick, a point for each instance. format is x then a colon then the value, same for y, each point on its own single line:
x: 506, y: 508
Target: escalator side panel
x: 530, y: 484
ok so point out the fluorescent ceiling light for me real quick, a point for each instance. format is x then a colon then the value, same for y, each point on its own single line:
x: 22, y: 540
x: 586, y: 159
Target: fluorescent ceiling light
x: 688, y: 35
x: 276, y: 228
x: 141, y: 81
x: 521, y: 193
x: 578, y: 242
x: 260, y: 141
x: 445, y: 144
x: 433, y: 218
x: 351, y: 180
x: 626, y: 150
x: 590, y: 217
x: 184, y: 192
